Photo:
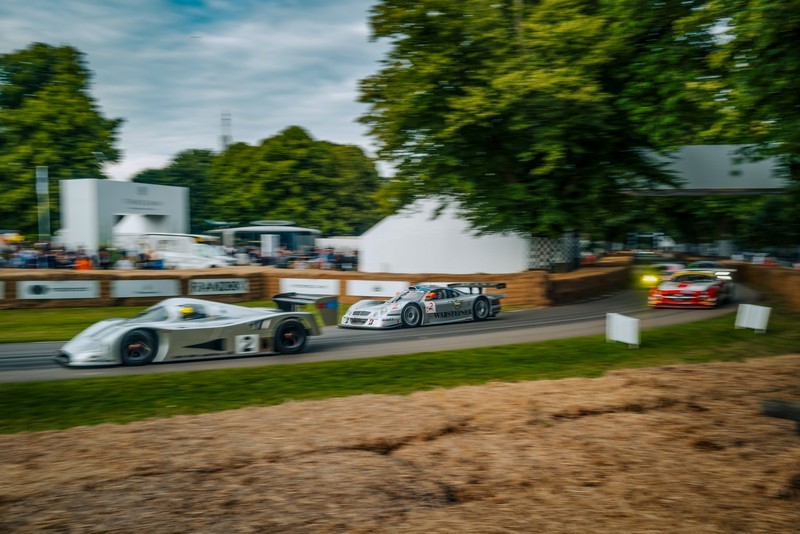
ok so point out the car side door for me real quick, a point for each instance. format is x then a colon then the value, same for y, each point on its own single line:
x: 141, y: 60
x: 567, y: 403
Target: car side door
x: 461, y: 303
x: 439, y: 309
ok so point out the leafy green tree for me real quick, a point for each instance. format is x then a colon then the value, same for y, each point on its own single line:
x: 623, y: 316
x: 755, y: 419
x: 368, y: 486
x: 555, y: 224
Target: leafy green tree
x: 317, y: 184
x: 758, y: 54
x: 661, y: 72
x: 48, y: 118
x: 772, y: 225
x: 532, y: 116
x: 757, y: 97
x: 191, y: 169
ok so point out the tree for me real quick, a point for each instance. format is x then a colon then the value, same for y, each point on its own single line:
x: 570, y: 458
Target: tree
x: 292, y: 176
x: 772, y: 226
x: 192, y: 169
x: 532, y: 116
x: 758, y: 99
x: 758, y: 53
x: 47, y: 118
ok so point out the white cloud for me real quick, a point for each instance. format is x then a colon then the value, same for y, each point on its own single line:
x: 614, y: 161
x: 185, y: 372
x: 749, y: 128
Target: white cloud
x: 171, y: 68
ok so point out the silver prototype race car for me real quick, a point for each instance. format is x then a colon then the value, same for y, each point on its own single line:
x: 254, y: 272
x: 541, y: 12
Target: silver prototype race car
x: 426, y: 304
x: 188, y: 329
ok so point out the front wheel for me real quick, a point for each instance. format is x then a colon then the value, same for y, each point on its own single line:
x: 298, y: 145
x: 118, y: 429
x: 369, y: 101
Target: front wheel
x: 138, y: 347
x: 290, y: 337
x: 412, y: 316
x: 481, y: 309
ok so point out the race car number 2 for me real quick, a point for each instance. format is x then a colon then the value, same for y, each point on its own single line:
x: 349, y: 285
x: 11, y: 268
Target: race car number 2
x: 246, y: 344
x: 430, y: 307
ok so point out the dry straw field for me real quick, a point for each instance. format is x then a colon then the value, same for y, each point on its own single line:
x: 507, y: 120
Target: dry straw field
x: 671, y: 449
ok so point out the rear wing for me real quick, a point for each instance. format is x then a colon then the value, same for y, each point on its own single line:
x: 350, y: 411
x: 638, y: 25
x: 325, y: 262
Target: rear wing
x: 326, y: 305
x: 477, y: 287
x: 723, y: 273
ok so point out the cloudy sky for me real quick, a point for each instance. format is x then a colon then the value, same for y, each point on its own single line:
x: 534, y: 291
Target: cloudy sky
x: 172, y: 68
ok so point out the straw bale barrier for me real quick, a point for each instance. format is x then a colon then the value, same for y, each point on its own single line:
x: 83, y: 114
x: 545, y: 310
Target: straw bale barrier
x: 782, y: 283
x: 525, y: 289
x: 676, y: 449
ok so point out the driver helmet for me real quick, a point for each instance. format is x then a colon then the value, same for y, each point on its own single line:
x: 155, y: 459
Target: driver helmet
x: 186, y: 312
x: 430, y: 295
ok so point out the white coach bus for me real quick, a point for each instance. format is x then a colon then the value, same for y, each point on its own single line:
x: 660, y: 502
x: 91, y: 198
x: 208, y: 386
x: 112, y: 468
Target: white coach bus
x: 268, y: 236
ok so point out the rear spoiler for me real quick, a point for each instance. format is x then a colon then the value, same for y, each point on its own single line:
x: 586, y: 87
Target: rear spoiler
x: 327, y: 305
x: 723, y: 273
x: 478, y: 287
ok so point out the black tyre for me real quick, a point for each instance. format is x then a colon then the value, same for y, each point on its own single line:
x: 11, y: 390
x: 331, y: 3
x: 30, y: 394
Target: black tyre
x: 138, y: 347
x: 732, y: 295
x: 290, y: 337
x: 481, y: 309
x: 412, y: 316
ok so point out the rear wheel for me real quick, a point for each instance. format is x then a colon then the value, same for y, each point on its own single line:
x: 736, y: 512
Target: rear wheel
x: 412, y: 316
x: 720, y: 298
x: 481, y: 309
x: 138, y: 347
x: 290, y: 337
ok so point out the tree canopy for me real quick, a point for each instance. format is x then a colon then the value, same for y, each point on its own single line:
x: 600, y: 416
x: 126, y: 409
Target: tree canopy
x: 535, y: 115
x: 757, y: 95
x: 190, y: 168
x: 317, y: 184
x: 48, y: 118
x: 292, y: 176
x: 524, y: 113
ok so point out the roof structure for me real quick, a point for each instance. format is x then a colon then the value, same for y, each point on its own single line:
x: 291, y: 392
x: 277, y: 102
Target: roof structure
x: 719, y: 170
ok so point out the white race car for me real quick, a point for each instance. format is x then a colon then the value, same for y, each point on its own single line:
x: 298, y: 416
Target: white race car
x: 189, y: 329
x: 426, y: 304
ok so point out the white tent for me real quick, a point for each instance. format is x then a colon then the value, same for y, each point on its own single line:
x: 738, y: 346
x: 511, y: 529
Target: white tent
x: 416, y: 241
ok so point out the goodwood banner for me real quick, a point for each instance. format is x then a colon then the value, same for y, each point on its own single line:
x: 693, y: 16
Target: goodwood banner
x: 375, y: 288
x: 145, y: 288
x: 61, y: 289
x: 219, y: 286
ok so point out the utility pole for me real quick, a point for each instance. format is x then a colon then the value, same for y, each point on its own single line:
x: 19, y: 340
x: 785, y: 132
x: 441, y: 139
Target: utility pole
x: 43, y: 196
x: 226, y: 130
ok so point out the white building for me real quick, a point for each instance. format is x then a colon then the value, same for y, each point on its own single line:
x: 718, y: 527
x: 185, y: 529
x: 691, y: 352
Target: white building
x: 93, y: 211
x: 415, y: 241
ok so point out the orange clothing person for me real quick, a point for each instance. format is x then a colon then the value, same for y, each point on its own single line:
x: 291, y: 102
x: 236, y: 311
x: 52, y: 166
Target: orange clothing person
x: 83, y: 263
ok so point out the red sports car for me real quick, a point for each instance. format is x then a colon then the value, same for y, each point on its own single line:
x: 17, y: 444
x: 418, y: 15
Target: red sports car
x: 691, y: 289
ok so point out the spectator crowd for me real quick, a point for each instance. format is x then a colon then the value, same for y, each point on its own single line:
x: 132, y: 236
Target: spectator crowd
x: 21, y: 255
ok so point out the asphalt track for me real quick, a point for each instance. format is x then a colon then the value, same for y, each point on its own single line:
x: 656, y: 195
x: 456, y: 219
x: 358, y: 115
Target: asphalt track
x: 28, y: 362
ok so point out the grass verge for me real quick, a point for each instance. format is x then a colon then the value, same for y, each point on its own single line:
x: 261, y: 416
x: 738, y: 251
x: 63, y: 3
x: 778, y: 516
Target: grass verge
x: 57, y: 324
x: 40, y: 406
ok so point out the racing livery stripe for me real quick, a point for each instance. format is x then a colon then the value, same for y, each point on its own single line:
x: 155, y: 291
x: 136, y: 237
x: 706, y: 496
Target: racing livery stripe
x: 443, y: 315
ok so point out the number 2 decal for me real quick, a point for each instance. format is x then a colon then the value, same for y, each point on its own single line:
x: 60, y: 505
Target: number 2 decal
x: 246, y: 344
x: 430, y: 307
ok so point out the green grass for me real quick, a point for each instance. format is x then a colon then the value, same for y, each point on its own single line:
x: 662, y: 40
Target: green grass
x: 60, y: 324
x: 55, y: 324
x: 62, y: 404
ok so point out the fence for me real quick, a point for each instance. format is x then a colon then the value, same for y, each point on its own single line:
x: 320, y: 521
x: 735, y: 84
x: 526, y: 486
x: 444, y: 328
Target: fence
x: 43, y: 288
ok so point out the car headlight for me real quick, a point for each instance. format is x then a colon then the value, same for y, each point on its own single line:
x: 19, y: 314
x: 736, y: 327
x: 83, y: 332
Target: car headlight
x: 649, y: 279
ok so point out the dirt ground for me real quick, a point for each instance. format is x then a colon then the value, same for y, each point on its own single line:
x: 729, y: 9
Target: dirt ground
x: 679, y: 449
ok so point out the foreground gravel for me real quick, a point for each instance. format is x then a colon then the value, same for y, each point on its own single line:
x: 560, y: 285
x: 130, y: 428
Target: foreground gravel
x: 669, y: 449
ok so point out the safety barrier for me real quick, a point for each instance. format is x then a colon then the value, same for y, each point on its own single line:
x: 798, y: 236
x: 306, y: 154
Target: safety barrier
x: 68, y: 289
